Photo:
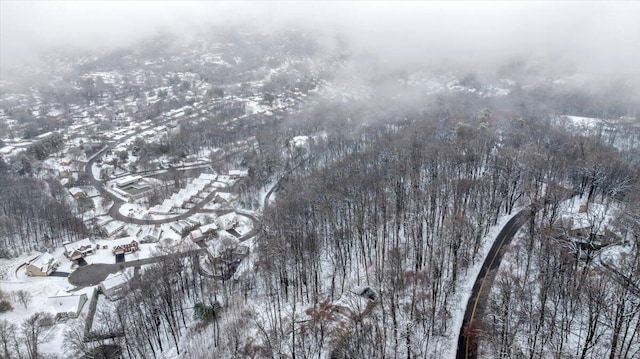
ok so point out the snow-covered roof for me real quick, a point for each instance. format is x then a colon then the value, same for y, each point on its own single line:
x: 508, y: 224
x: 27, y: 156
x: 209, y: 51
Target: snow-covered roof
x: 44, y: 261
x: 83, y: 243
x: 117, y: 279
x: 104, y: 220
x: 75, y: 191
x: 164, y: 208
x: 153, y: 232
x: 239, y: 173
x: 127, y: 180
x: 208, y: 176
x: 227, y: 220
x: 179, y: 226
x: 209, y: 227
x: 6, y: 150
x: 66, y: 303
x: 596, y: 218
x: 113, y: 227
x: 122, y: 241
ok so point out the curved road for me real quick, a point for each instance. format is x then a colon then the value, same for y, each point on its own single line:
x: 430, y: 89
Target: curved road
x: 95, y: 273
x: 114, y: 210
x: 466, y: 345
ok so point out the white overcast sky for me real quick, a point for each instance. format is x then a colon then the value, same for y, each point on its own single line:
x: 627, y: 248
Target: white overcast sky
x: 594, y: 36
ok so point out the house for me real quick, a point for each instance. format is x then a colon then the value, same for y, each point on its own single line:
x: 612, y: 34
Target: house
x: 66, y: 306
x: 165, y: 208
x: 77, y: 192
x: 235, y: 174
x: 116, y: 284
x: 203, y: 232
x: 180, y: 226
x: 227, y: 221
x: 150, y: 235
x: 78, y: 249
x: 223, y: 197
x: 42, y: 266
x: 125, y: 245
x: 113, y: 227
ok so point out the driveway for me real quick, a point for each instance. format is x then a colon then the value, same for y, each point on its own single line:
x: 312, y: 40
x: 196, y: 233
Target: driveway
x: 93, y: 274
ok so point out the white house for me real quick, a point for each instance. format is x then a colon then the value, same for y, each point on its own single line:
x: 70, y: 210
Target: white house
x: 66, y: 306
x: 227, y: 221
x: 116, y: 284
x: 113, y: 227
x: 180, y: 226
x: 127, y: 180
x: 238, y: 173
x: 203, y: 232
x: 150, y: 235
x: 42, y: 266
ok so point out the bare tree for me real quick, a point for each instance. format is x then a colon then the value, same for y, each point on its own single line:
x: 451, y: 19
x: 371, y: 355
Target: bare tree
x: 35, y: 331
x: 24, y: 297
x: 8, y: 338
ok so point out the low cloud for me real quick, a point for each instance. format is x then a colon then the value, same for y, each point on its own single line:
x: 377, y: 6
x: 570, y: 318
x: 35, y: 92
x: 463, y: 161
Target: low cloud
x: 596, y: 37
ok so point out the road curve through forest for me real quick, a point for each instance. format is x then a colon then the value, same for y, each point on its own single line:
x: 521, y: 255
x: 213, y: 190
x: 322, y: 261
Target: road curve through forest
x: 467, y: 347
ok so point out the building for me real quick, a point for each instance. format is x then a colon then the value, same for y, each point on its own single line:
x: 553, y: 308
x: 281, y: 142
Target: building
x: 42, y: 266
x: 113, y: 227
x: 150, y: 235
x: 77, y: 192
x: 125, y: 245
x: 79, y: 249
x: 203, y: 232
x: 235, y: 174
x: 180, y: 226
x: 227, y: 221
x: 66, y: 306
x: 122, y: 182
x: 132, y: 187
x: 116, y: 284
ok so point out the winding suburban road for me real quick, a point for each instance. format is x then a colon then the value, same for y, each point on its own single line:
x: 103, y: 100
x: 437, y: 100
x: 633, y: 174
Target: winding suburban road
x: 467, y: 347
x: 95, y: 273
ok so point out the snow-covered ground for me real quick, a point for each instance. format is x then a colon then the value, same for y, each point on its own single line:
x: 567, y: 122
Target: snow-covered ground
x: 584, y: 122
x: 14, y: 278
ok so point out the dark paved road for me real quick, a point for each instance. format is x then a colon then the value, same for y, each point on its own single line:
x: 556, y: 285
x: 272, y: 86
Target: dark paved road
x: 466, y: 345
x: 93, y: 274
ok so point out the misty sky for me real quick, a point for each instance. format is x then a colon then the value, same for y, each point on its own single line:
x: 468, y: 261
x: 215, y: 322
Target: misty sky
x: 597, y: 37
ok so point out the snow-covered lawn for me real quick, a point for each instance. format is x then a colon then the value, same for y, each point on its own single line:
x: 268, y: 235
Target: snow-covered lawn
x: 14, y: 278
